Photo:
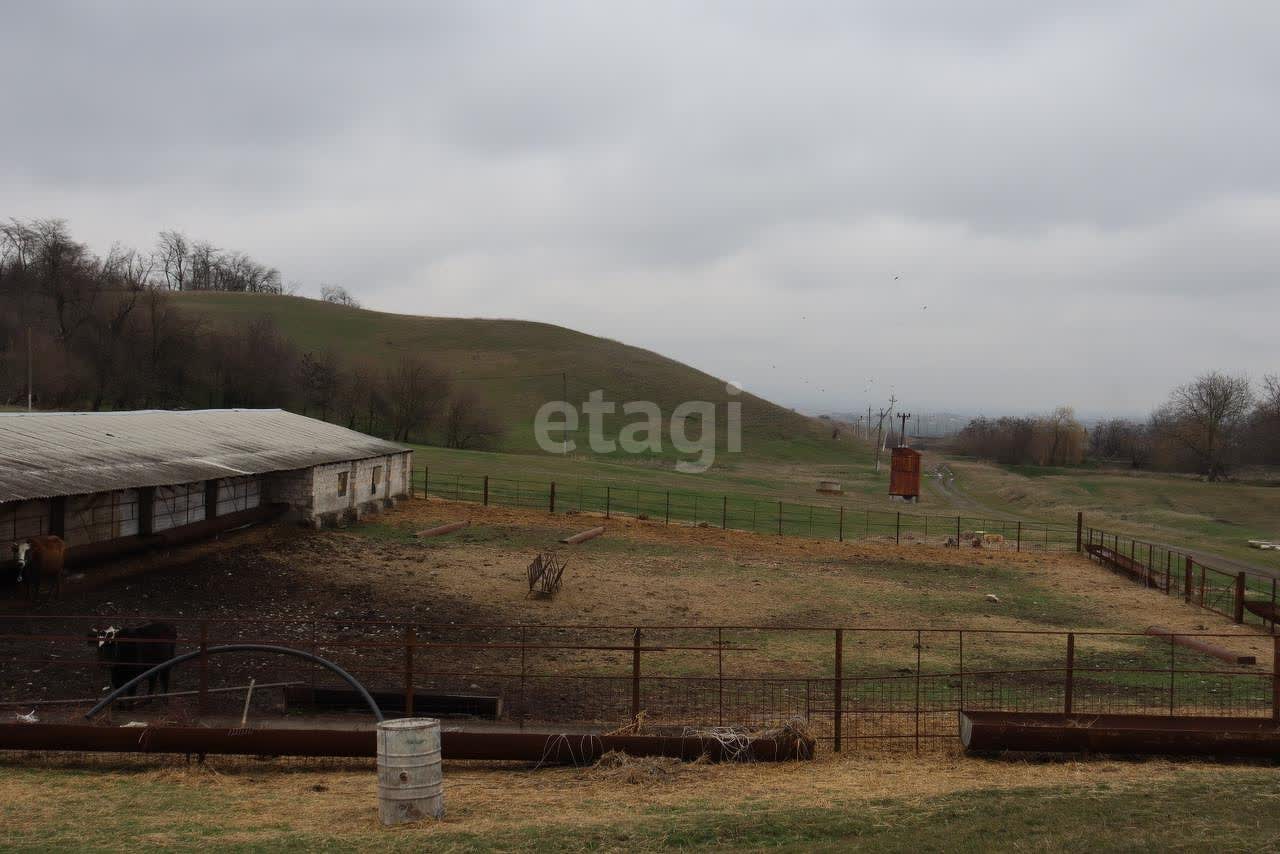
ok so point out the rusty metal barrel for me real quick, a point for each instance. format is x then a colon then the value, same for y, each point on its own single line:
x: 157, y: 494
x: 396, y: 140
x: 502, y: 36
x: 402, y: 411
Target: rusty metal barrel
x: 410, y: 780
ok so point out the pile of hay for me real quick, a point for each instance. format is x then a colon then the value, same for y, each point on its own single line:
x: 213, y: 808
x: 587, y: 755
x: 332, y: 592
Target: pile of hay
x: 619, y: 767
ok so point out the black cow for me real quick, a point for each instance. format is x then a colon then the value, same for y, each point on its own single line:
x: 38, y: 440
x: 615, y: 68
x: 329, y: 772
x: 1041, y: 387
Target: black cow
x: 132, y: 652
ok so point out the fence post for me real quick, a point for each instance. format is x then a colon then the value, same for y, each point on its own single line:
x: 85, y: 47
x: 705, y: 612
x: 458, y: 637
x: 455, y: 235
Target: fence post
x: 1019, y: 536
x: 426, y: 481
x: 203, y: 704
x: 720, y: 673
x: 897, y: 528
x: 410, y: 638
x: 957, y: 532
x: 553, y: 496
x: 837, y: 705
x: 635, y: 676
x: 919, y: 647
x: 1069, y: 687
x: 842, y: 523
x: 724, y: 514
x: 1079, y: 527
x: 1238, y: 611
x: 1275, y: 680
x: 1188, y: 582
x: 524, y: 646
x: 486, y: 490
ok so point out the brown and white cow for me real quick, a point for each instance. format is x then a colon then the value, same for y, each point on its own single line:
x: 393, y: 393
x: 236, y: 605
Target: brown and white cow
x: 39, y: 561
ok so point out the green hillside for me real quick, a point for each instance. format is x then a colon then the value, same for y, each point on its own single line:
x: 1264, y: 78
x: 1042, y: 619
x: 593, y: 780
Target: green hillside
x: 515, y: 366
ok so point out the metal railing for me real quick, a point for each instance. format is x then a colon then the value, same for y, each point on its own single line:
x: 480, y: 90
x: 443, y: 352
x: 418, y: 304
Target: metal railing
x: 1241, y: 596
x: 855, y: 687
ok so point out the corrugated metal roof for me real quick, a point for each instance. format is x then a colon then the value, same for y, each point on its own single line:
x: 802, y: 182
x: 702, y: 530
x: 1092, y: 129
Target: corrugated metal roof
x: 45, y: 454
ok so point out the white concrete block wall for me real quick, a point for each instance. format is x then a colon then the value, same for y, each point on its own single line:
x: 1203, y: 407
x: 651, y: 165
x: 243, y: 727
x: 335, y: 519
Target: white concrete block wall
x: 327, y: 493
x: 178, y: 505
x: 400, y: 466
x: 101, y: 516
x: 239, y: 493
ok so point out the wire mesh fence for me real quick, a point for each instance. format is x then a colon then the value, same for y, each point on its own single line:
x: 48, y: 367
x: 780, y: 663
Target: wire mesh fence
x: 1244, y: 597
x: 856, y: 688
x: 746, y: 513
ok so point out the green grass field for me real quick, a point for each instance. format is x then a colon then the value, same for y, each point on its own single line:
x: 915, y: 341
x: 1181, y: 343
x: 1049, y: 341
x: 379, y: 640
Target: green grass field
x: 1218, y: 517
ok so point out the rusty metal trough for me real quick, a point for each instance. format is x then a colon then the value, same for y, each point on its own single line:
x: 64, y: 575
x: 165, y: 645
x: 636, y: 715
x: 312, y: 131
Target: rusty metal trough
x: 1136, y: 569
x: 1167, y: 735
x: 554, y: 749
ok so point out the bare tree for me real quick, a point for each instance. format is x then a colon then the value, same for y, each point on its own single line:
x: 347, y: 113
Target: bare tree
x: 1205, y: 417
x: 338, y: 295
x: 174, y: 253
x: 469, y: 423
x: 318, y: 378
x: 416, y: 392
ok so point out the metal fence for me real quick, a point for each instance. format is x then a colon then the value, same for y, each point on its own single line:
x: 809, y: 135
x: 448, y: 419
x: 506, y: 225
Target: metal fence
x: 1243, y: 597
x: 757, y: 514
x: 855, y: 687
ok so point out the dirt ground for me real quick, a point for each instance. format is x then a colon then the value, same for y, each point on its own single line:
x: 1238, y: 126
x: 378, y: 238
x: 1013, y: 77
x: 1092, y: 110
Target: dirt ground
x: 365, y: 583
x: 350, y: 593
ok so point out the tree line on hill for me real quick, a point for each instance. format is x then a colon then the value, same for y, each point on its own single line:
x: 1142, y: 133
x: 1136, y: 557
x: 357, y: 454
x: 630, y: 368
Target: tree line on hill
x: 103, y: 333
x: 1210, y: 426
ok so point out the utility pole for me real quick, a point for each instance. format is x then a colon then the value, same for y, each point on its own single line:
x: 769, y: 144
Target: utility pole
x: 564, y: 395
x: 884, y: 413
x: 902, y: 437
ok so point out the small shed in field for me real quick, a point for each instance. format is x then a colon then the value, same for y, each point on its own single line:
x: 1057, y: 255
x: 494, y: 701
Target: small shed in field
x: 904, y: 473
x: 111, y: 482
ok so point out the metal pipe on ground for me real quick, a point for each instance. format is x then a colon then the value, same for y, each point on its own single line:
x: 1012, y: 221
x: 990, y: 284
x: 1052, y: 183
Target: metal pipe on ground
x: 1218, y: 652
x: 582, y: 537
x: 443, y: 529
x: 547, y: 749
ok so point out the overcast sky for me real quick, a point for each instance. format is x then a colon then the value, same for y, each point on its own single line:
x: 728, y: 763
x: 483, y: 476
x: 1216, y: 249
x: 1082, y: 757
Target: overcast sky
x: 995, y: 206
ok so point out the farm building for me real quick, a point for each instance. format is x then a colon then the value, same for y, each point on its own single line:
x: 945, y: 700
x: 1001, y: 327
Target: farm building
x: 112, y: 482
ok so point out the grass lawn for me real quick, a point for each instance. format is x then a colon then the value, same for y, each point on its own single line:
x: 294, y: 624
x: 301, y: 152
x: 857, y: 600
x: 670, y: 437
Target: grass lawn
x: 1218, y: 517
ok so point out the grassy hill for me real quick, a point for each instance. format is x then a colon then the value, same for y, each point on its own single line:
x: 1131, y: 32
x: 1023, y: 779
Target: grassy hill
x: 516, y: 366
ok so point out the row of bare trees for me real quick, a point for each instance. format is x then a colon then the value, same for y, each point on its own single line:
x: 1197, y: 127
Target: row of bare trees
x: 78, y: 331
x: 1209, y: 426
x: 1056, y: 439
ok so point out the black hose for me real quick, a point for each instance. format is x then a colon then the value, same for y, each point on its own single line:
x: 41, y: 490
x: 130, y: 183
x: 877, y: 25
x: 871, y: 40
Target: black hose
x: 238, y: 647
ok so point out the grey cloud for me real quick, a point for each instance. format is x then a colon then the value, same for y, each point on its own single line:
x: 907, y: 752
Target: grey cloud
x: 640, y: 165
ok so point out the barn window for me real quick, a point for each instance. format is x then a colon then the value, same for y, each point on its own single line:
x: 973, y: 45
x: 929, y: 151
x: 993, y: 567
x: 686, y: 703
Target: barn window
x: 342, y: 483
x: 377, y: 478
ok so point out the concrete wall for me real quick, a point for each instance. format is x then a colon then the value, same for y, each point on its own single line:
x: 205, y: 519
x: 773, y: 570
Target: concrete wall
x: 343, y: 492
x: 239, y: 493
x: 100, y: 517
x: 178, y: 505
